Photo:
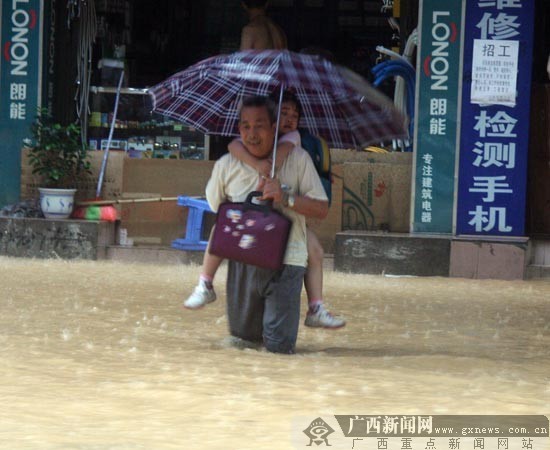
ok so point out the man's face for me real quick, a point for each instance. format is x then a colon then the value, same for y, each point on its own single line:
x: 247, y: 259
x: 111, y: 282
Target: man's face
x: 289, y: 117
x: 257, y: 131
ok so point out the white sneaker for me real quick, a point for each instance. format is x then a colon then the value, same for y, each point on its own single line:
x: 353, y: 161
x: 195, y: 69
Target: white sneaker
x: 321, y: 318
x: 201, y: 296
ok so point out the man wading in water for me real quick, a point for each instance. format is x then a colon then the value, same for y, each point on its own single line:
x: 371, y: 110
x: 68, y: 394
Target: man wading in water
x: 264, y: 305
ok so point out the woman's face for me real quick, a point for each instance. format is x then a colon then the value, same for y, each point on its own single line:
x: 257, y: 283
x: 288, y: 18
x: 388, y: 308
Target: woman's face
x: 289, y: 117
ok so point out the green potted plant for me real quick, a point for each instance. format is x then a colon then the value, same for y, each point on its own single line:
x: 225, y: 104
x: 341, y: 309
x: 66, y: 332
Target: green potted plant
x: 57, y: 155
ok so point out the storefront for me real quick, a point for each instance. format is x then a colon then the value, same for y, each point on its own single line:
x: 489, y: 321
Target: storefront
x: 157, y: 39
x: 152, y: 40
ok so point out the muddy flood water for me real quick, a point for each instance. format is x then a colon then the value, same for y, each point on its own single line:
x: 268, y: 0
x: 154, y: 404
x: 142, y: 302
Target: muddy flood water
x: 99, y: 355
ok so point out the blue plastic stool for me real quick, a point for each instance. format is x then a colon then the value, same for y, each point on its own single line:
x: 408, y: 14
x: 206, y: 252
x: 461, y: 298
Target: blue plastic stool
x: 193, y: 233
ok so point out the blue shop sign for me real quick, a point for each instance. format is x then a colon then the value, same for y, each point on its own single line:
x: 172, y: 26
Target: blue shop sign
x: 492, y: 178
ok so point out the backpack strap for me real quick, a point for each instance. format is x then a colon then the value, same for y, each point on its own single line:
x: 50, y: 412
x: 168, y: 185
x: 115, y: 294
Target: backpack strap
x: 319, y: 151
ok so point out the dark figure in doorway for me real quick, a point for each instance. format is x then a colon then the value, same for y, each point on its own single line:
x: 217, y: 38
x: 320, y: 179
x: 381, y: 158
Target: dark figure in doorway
x: 261, y: 32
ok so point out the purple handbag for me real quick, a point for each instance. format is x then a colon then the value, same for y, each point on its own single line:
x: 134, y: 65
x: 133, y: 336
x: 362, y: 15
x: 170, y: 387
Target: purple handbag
x: 251, y: 233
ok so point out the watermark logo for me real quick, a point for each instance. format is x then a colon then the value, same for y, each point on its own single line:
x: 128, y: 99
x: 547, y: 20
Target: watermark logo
x: 318, y: 432
x: 423, y: 432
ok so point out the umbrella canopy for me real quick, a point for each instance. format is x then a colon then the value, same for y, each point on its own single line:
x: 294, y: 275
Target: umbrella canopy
x: 337, y: 104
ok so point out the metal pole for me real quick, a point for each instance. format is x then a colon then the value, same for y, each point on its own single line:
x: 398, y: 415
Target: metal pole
x: 106, y: 155
x: 277, y: 132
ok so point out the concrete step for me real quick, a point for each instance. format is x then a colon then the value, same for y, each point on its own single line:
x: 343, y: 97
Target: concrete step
x: 539, y: 259
x: 355, y: 251
x: 432, y: 255
x: 392, y: 253
x: 539, y: 252
x: 494, y: 257
x: 48, y: 238
x: 533, y: 272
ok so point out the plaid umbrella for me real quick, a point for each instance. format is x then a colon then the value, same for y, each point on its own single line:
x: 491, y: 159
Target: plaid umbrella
x: 337, y: 104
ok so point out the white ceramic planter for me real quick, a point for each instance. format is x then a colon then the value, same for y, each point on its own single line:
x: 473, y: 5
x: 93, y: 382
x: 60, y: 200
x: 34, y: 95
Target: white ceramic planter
x: 56, y: 203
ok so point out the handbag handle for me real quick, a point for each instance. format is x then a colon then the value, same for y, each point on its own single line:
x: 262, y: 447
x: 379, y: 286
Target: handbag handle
x: 265, y: 208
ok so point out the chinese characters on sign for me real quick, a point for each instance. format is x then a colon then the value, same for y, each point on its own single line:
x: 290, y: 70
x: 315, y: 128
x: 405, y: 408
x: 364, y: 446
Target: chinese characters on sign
x: 424, y: 432
x: 388, y: 425
x: 477, y: 443
x: 18, y: 97
x: 20, y: 26
x: 495, y: 117
x: 427, y: 184
x: 437, y: 116
x: 494, y: 72
x: 20, y: 86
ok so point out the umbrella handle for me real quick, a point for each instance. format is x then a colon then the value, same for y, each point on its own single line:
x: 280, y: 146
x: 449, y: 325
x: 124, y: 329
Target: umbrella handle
x: 277, y: 132
x: 110, y: 137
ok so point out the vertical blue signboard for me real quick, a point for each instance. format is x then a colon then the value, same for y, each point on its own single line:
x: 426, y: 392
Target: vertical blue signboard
x: 437, y: 97
x: 20, y: 78
x: 495, y: 117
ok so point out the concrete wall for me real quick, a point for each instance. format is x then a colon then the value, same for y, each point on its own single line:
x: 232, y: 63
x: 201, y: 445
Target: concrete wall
x: 67, y: 239
x: 432, y: 255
